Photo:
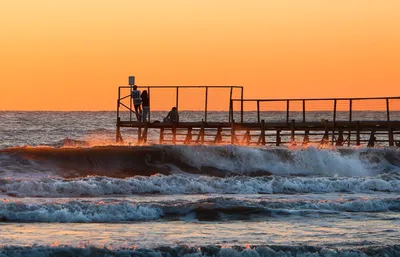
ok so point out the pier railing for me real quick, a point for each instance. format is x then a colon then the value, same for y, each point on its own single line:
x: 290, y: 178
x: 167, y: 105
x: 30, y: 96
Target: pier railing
x: 192, y: 98
x: 315, y: 109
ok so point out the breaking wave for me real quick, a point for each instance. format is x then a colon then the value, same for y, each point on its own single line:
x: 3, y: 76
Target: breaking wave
x: 210, y: 209
x: 182, y: 184
x: 219, y: 161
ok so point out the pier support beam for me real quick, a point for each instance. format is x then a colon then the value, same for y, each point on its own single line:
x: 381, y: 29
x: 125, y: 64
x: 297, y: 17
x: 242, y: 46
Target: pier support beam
x: 372, y: 139
x: 218, y: 137
x: 161, y: 136
x: 358, y: 139
x: 246, y: 138
x: 306, y: 138
x: 261, y: 139
x: 278, y: 138
x: 340, y: 140
x: 188, y: 138
x: 143, y: 138
x: 173, y: 134
x: 292, y: 134
x: 390, y: 135
x: 139, y: 135
x: 118, y: 137
x: 325, y: 138
x: 200, y: 137
x: 233, y: 134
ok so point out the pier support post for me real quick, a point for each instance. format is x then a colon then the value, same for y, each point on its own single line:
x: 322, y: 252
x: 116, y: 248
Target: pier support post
x: 174, y: 134
x: 218, y: 137
x: 325, y: 138
x: 233, y: 134
x: 372, y: 138
x: 144, y: 134
x: 306, y: 138
x: 188, y: 138
x: 161, y: 136
x: 339, y: 141
x: 358, y: 133
x: 262, y: 136
x: 139, y: 135
x: 390, y: 135
x: 246, y: 138
x: 292, y: 136
x: 118, y: 137
x: 278, y: 137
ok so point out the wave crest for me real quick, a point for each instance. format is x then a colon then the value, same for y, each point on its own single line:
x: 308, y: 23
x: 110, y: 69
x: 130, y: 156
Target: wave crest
x: 220, y: 161
x: 182, y: 184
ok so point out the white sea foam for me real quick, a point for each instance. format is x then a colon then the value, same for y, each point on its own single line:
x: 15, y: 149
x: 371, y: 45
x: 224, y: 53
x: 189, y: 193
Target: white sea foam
x: 181, y: 184
x: 77, y: 212
x: 281, y: 161
x: 103, y: 211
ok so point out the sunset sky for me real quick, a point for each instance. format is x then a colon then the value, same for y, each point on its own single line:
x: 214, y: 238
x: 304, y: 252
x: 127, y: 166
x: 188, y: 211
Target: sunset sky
x: 73, y: 54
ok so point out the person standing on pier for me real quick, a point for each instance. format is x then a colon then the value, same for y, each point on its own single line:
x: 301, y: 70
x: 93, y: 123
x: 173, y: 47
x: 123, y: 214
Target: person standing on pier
x: 145, y: 105
x: 137, y: 101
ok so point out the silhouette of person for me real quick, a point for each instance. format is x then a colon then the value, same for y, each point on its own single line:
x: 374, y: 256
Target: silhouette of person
x: 173, y: 116
x: 137, y: 101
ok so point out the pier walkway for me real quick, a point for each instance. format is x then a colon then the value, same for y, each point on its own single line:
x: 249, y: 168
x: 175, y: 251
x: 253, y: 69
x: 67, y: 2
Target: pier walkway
x: 272, y: 122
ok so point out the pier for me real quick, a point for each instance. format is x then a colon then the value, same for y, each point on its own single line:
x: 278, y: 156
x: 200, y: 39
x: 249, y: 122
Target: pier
x: 339, y: 122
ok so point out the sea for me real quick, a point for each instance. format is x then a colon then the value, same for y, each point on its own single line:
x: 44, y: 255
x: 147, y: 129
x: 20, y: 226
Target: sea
x: 68, y: 189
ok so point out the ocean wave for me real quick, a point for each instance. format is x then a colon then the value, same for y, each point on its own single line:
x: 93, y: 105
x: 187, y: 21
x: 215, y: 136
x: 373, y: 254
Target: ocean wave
x: 182, y: 184
x: 219, y: 161
x: 212, y: 209
x: 77, y: 212
x: 210, y: 250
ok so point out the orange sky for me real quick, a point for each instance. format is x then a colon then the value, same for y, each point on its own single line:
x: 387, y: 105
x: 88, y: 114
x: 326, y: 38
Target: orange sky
x: 72, y: 54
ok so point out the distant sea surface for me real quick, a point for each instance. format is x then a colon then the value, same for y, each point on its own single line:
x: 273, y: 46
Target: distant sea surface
x: 67, y: 189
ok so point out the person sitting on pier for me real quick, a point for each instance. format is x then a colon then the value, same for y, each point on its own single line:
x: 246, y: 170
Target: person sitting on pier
x: 173, y: 116
x: 145, y: 105
x: 137, y: 101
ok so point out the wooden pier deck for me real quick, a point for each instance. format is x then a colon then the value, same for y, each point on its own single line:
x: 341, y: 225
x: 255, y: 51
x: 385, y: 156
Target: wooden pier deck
x: 306, y: 129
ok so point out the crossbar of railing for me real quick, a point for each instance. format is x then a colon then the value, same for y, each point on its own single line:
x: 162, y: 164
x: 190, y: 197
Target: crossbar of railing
x: 144, y: 86
x: 315, y: 99
x: 119, y: 103
x: 334, y: 101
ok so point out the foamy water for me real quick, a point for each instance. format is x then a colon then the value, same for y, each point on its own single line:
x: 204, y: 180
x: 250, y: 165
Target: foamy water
x: 67, y: 188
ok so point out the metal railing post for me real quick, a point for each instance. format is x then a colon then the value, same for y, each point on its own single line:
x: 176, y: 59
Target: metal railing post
x: 387, y: 109
x: 130, y: 104
x: 350, y: 109
x: 177, y: 98
x: 241, y: 106
x: 287, y: 111
x: 205, y: 105
x: 230, y: 106
x: 148, y: 95
x: 334, y: 110
x: 334, y: 121
x: 119, y: 97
